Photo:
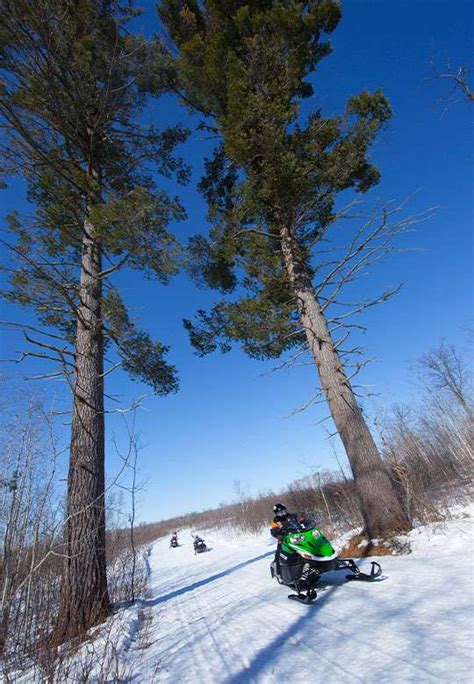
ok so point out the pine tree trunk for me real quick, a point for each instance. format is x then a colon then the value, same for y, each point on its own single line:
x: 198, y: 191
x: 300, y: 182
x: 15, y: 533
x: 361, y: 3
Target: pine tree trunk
x: 382, y: 510
x: 84, y: 600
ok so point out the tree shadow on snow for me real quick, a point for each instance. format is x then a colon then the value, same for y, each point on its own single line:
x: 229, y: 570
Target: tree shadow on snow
x: 267, y: 654
x: 203, y: 582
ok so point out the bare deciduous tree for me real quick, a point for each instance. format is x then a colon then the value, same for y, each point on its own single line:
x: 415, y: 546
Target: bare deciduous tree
x: 447, y: 371
x: 459, y: 79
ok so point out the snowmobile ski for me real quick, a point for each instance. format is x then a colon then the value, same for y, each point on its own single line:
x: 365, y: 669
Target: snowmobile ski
x: 375, y: 571
x: 304, y: 598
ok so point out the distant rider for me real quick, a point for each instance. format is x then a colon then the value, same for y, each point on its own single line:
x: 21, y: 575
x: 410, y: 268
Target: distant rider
x: 174, y: 539
x: 199, y: 544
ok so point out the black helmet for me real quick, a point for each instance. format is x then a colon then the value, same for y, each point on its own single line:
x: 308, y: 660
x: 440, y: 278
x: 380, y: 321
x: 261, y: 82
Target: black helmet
x: 279, y: 508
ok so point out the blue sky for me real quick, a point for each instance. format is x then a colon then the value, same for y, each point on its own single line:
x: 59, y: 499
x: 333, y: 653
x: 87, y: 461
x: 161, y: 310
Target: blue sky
x: 231, y: 419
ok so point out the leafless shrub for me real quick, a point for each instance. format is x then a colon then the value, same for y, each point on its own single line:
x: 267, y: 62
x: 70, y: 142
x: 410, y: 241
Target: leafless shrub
x: 31, y: 556
x: 430, y: 456
x: 429, y: 447
x: 123, y: 584
x: 444, y: 370
x: 98, y: 657
x: 30, y: 507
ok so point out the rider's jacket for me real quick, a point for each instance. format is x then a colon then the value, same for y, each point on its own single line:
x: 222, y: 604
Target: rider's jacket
x: 279, y: 524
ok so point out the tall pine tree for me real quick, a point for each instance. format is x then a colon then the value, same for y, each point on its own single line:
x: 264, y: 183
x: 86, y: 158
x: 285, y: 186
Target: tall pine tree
x: 272, y: 186
x: 73, y: 86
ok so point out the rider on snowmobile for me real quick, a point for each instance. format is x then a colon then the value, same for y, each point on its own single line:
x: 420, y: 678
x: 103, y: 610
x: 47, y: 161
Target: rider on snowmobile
x: 279, y: 526
x: 303, y: 554
x: 280, y: 521
x: 199, y: 544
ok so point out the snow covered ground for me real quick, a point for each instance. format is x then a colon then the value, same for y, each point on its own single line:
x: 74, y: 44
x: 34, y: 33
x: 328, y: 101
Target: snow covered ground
x: 219, y: 618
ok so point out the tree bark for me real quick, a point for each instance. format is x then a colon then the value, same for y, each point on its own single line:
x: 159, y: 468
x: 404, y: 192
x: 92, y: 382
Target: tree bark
x: 84, y: 599
x: 381, y: 508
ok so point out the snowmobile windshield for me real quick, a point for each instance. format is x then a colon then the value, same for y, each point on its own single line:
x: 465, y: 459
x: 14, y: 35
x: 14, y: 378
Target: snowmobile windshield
x: 300, y: 524
x: 306, y: 524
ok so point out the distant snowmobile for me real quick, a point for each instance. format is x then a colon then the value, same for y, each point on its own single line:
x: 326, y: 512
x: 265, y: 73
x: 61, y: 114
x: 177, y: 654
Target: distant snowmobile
x: 305, y: 555
x: 174, y: 540
x: 199, y: 544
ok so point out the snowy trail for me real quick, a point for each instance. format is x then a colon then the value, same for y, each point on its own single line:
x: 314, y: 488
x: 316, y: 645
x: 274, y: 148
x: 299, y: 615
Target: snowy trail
x: 218, y: 618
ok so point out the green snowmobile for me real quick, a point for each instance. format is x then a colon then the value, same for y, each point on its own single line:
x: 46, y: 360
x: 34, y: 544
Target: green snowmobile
x: 305, y: 554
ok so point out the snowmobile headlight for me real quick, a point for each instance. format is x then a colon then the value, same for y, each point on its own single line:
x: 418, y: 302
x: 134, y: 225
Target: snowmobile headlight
x: 298, y: 539
x: 316, y: 534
